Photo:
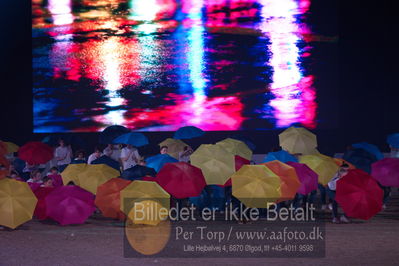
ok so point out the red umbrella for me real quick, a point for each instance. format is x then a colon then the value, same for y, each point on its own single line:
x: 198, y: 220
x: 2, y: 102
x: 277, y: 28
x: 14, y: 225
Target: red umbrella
x: 70, y: 205
x: 359, y: 195
x: 35, y: 152
x: 239, y: 161
x: 149, y: 178
x: 108, y: 198
x: 386, y: 172
x: 41, y: 194
x: 307, y: 176
x: 181, y: 180
x: 34, y: 186
x: 57, y: 180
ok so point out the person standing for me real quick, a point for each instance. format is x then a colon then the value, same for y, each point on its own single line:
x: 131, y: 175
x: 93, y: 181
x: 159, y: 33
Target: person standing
x: 62, y: 155
x: 94, y: 156
x: 113, y: 151
x: 331, y: 188
x: 129, y: 157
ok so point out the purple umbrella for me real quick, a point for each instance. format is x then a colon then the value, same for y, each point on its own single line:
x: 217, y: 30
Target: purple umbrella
x: 69, y: 205
x: 386, y: 172
x: 307, y: 176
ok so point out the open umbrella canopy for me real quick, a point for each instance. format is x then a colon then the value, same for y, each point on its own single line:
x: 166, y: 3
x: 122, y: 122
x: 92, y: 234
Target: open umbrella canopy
x: 370, y: 148
x: 108, y: 135
x: 57, y: 180
x: 107, y: 161
x: 307, y: 177
x: 10, y: 147
x: 360, y: 158
x: 216, y: 163
x: 133, y: 138
x: 236, y: 147
x: 36, y: 152
x: 181, y: 180
x: 256, y: 186
x: 4, y: 162
x: 158, y: 161
x: 386, y: 172
x: 245, y: 140
x: 298, y: 140
x: 323, y: 165
x: 359, y: 195
x: 17, y: 203
x: 3, y: 148
x: 137, y: 172
x: 41, y: 194
x: 95, y: 175
x: 71, y: 173
x: 139, y: 191
x: 175, y: 146
x: 288, y: 177
x: 108, y: 198
x: 69, y: 205
x: 239, y: 162
x: 282, y: 156
x: 393, y: 140
x: 188, y: 132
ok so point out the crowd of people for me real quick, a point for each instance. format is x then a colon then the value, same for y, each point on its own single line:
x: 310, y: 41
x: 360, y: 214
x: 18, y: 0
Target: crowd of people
x: 128, y: 156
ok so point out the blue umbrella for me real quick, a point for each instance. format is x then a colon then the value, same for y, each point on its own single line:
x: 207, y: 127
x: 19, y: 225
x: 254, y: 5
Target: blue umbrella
x: 108, y: 161
x: 370, y: 148
x: 360, y: 158
x: 281, y: 156
x: 137, y: 172
x: 212, y: 196
x: 201, y: 201
x: 188, y: 132
x: 132, y: 138
x: 159, y: 160
x: 393, y: 140
x: 110, y: 133
x: 78, y: 161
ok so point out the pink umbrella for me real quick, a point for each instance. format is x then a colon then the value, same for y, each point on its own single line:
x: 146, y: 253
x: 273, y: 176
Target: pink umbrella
x: 70, y: 205
x: 386, y: 172
x: 57, y: 180
x: 307, y: 176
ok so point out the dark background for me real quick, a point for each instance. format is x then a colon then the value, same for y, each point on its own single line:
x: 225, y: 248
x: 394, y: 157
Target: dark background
x: 363, y: 84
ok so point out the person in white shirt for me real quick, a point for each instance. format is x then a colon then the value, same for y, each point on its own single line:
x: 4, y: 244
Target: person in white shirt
x: 129, y: 157
x: 94, y: 156
x: 113, y: 151
x: 35, y: 177
x: 332, y: 186
x: 63, y: 154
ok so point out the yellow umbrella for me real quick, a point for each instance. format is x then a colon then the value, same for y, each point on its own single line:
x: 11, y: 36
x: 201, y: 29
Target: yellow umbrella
x: 236, y: 147
x: 298, y: 140
x: 323, y: 165
x: 142, y: 192
x: 95, y: 175
x: 148, y: 240
x: 149, y: 212
x: 71, y: 172
x: 256, y: 186
x: 216, y: 163
x: 174, y: 146
x: 11, y: 147
x: 17, y: 203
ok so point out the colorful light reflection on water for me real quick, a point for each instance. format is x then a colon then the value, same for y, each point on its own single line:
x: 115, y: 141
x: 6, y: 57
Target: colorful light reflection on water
x: 157, y: 65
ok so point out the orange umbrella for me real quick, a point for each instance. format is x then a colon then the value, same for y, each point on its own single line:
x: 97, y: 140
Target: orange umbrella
x: 108, y: 198
x: 340, y: 161
x: 4, y: 162
x: 289, y: 179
